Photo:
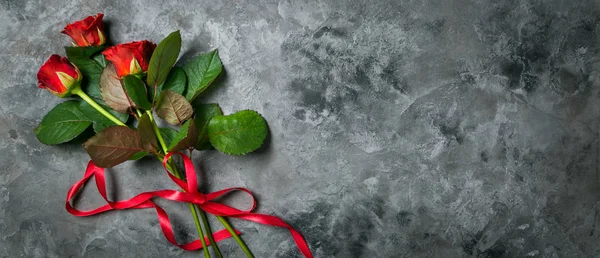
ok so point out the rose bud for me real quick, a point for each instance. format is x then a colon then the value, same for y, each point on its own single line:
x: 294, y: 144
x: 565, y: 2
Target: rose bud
x: 130, y: 58
x: 59, y: 76
x: 87, y: 32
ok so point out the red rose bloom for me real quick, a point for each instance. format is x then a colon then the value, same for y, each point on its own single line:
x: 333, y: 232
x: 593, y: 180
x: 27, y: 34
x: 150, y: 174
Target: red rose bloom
x: 87, y: 32
x: 130, y: 58
x: 59, y: 76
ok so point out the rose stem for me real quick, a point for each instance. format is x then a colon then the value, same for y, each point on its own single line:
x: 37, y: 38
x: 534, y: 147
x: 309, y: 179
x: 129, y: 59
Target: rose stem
x: 209, y: 232
x: 207, y: 226
x: 139, y: 113
x: 221, y: 219
x: 77, y: 91
x: 235, y: 236
x: 176, y: 173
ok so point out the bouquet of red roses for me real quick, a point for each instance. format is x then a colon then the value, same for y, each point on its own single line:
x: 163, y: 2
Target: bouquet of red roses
x: 123, y: 88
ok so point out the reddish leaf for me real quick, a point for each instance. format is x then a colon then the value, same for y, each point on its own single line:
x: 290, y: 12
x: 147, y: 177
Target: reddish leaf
x: 147, y: 135
x: 173, y: 107
x: 112, y: 91
x: 113, y: 145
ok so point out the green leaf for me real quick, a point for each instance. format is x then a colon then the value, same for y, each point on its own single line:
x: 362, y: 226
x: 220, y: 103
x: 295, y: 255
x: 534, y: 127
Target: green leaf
x: 98, y: 127
x: 100, y: 122
x: 90, y: 69
x: 91, y: 63
x: 91, y: 85
x: 62, y: 124
x: 82, y: 52
x: 138, y: 155
x: 201, y: 72
x: 238, y: 133
x: 168, y: 134
x: 100, y: 59
x: 121, y: 116
x: 112, y: 90
x: 136, y: 91
x: 173, y: 107
x: 82, y: 58
x: 185, y: 138
x: 113, y: 145
x: 204, y: 113
x: 164, y: 57
x: 176, y: 81
x: 146, y: 131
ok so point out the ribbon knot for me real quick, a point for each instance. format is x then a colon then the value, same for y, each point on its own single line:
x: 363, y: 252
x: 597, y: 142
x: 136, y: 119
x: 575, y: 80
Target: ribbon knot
x: 199, y: 199
x: 190, y: 194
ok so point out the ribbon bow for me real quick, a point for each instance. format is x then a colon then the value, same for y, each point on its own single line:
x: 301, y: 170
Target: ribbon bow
x: 189, y: 195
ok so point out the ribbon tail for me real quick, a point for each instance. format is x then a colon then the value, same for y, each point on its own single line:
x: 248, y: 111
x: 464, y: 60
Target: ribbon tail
x: 301, y: 243
x: 275, y: 221
x: 217, y: 236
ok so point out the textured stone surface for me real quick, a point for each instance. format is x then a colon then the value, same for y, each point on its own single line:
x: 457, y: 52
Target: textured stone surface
x: 398, y: 128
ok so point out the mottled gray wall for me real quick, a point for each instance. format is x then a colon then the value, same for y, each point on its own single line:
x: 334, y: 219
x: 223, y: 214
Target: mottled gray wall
x: 398, y: 128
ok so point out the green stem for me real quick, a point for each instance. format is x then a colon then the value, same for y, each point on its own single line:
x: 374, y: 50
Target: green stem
x: 176, y: 173
x: 206, y: 253
x: 194, y: 214
x: 196, y: 220
x: 77, y: 91
x: 139, y: 113
x: 235, y: 236
x: 157, y: 132
x: 221, y: 219
x: 209, y: 232
x: 207, y: 225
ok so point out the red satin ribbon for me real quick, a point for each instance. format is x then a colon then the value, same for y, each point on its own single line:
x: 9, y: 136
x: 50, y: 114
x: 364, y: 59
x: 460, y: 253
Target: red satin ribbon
x: 190, y: 194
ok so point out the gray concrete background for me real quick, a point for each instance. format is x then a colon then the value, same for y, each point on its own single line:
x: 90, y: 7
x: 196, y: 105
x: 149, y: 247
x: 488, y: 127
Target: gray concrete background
x: 398, y: 128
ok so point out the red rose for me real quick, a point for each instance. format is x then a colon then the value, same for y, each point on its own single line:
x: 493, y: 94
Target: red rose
x: 87, y: 32
x: 130, y: 58
x: 59, y: 76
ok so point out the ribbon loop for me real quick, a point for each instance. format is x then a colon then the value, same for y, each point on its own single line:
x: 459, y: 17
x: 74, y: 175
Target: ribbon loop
x: 191, y: 194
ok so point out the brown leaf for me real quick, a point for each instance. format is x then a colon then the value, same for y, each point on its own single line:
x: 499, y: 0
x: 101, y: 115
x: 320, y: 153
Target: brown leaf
x: 113, y: 145
x: 147, y: 135
x: 173, y: 107
x: 112, y: 91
